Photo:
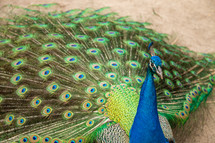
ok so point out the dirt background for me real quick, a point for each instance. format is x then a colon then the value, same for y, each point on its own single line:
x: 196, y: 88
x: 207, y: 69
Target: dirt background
x: 190, y: 23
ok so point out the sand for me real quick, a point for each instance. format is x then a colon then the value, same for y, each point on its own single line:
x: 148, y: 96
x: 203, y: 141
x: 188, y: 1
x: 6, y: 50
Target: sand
x: 192, y: 22
x: 189, y: 23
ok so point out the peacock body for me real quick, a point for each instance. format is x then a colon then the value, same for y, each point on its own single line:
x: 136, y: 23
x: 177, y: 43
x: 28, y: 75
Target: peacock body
x: 77, y: 76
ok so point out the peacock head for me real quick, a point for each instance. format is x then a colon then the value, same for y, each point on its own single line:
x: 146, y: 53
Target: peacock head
x: 155, y: 62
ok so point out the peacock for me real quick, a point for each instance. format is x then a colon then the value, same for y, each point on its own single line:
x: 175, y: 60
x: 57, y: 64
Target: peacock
x: 91, y: 76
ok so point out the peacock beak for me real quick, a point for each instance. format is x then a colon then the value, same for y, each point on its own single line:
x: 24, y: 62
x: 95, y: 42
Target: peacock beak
x: 161, y: 75
x: 159, y: 72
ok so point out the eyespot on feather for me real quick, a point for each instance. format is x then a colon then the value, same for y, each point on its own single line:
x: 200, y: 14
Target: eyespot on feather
x: 112, y: 76
x: 82, y: 37
x: 36, y: 102
x: 177, y: 115
x: 104, y: 23
x: 100, y: 100
x: 17, y: 63
x: 91, y: 28
x: 113, y: 86
x: 126, y: 80
x: 101, y: 40
x: 44, y: 58
x: 65, y: 96
x: 55, y: 36
x: 113, y: 64
x: 204, y: 90
x: 167, y: 93
x: 52, y: 87
x: 79, y: 76
x: 21, y: 91
x: 9, y: 119
x: 71, y: 59
x: 165, y: 107
x: 46, y: 139
x: 4, y: 41
x: 104, y: 85
x: 20, y: 121
x: 93, y: 51
x: 89, y: 123
x: 189, y: 99
x: 169, y: 83
x: 132, y: 89
x: 24, y: 139
x: 91, y: 90
x: 20, y: 49
x: 179, y: 84
x: 72, y: 140
x: 45, y: 73
x: 55, y: 140
x: 187, y: 107
x: 34, y: 138
x: 192, y: 95
x: 195, y: 91
x: 67, y: 115
x: 212, y: 79
x: 49, y: 46
x: 210, y: 85
x: 112, y: 33
x: 144, y: 54
x: 16, y: 78
x: 177, y: 74
x: 156, y: 78
x: 95, y: 66
x: 46, y: 111
x: 168, y: 74
x: 69, y: 25
x: 101, y: 110
x: 199, y: 88
x: 139, y: 79
x: 25, y: 37
x: 86, y: 105
x: 133, y: 64
x: 80, y: 140
x: 131, y: 44
x: 74, y: 46
x: 183, y: 115
x: 107, y: 95
x: 119, y: 51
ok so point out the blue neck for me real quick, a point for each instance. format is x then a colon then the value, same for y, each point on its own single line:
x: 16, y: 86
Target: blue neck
x: 146, y: 126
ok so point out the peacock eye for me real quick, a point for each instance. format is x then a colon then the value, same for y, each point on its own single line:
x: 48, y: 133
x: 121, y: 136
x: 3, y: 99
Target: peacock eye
x: 152, y: 64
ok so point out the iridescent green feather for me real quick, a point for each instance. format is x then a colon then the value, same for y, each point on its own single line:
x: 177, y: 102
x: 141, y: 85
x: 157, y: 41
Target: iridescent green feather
x: 70, y: 76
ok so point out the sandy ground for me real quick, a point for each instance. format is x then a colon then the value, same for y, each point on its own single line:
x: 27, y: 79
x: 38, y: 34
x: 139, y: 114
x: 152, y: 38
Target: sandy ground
x: 190, y: 22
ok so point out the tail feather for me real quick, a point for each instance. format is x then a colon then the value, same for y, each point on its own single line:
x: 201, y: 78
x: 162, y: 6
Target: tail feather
x: 63, y: 74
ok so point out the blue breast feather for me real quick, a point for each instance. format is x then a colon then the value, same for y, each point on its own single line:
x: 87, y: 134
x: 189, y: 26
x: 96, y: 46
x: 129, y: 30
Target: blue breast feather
x: 146, y: 126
